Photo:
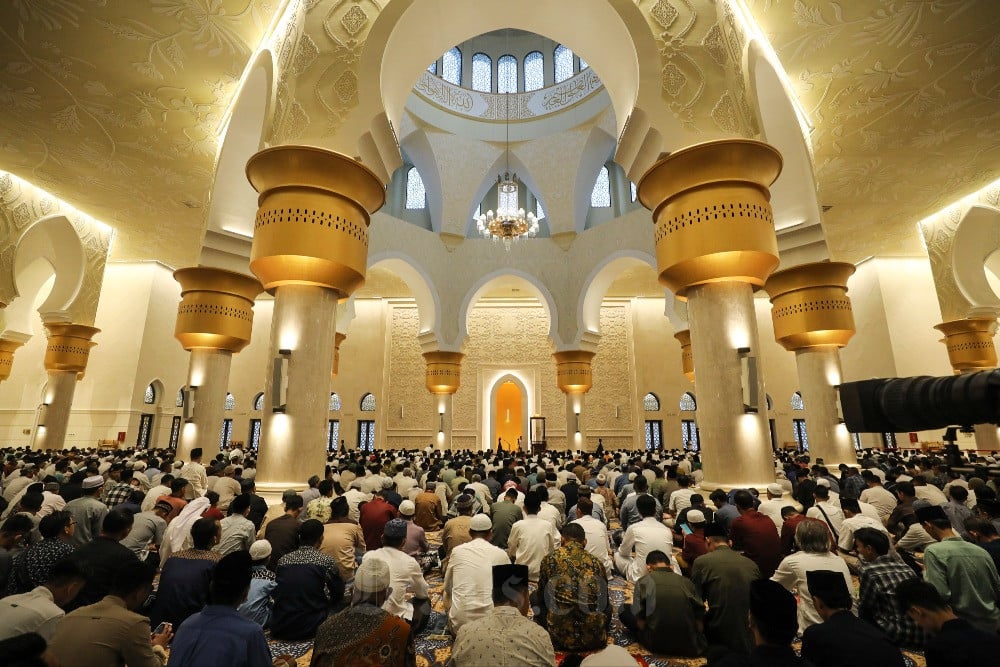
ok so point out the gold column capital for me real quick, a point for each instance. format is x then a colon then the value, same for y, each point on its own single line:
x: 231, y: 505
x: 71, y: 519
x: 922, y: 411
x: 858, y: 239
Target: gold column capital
x: 68, y: 347
x: 313, y: 213
x: 810, y: 307
x: 574, y: 374
x: 687, y: 359
x: 7, y: 349
x: 970, y: 343
x: 712, y: 213
x: 216, y: 308
x: 338, y: 338
x: 444, y: 371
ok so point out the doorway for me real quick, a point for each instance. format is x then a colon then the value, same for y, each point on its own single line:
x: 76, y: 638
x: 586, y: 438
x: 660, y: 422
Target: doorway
x: 507, y: 415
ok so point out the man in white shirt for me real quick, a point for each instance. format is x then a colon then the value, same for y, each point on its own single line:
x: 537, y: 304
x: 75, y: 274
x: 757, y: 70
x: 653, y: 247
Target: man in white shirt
x: 227, y: 487
x: 162, y: 489
x: 597, y: 533
x: 40, y: 610
x: 681, y: 498
x: 647, y: 535
x: 825, y: 510
x: 20, y: 483
x: 532, y: 538
x: 548, y: 510
x: 468, y: 581
x: 771, y: 508
x: 404, y: 482
x: 194, y: 473
x: 877, y: 495
x: 405, y: 576
x: 928, y: 492
x: 238, y: 532
x: 854, y: 520
x: 355, y: 496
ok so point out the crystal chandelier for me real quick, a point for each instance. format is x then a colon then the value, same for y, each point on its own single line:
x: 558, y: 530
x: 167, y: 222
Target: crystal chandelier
x: 509, y: 223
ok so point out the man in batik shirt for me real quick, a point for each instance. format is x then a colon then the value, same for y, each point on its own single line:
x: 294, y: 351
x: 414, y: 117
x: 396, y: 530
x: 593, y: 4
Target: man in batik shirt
x: 573, y: 595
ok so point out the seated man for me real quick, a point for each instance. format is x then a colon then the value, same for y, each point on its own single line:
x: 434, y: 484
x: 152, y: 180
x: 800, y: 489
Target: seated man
x: 842, y: 638
x: 693, y: 544
x: 954, y: 642
x: 406, y: 577
x: 774, y: 626
x: 41, y: 609
x: 573, y: 594
x: 103, y: 557
x: 644, y: 536
x: 183, y: 588
x: 218, y: 635
x: 110, y: 632
x: 309, y: 587
x: 881, y: 572
x: 666, y: 611
x: 467, y: 580
x: 259, y: 603
x: 505, y: 630
x: 365, y: 635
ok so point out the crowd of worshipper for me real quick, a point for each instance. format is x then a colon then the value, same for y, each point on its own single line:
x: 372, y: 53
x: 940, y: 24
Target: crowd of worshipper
x: 136, y: 557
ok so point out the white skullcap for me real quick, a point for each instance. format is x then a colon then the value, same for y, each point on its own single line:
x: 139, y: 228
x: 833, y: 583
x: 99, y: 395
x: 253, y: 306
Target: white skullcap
x: 407, y: 508
x: 372, y: 576
x: 777, y: 489
x: 481, y: 523
x: 93, y: 482
x: 695, y: 516
x: 260, y: 550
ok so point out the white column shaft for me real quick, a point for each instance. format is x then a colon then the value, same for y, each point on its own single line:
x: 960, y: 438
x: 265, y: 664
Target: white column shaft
x: 819, y: 374
x: 208, y: 370
x: 59, y: 390
x: 576, y: 434
x: 444, y: 409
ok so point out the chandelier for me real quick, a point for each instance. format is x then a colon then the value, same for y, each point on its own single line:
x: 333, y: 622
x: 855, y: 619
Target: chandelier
x: 509, y: 223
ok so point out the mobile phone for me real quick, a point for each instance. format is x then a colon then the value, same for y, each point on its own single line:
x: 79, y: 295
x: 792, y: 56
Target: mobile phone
x: 161, y: 628
x: 686, y: 529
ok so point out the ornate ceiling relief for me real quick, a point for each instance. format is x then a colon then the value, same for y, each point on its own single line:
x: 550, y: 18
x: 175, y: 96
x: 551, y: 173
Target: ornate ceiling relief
x: 97, y: 126
x: 904, y: 99
x: 938, y: 232
x: 21, y: 205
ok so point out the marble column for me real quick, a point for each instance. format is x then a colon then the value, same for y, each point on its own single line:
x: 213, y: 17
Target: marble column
x: 214, y: 322
x: 443, y: 378
x: 574, y: 376
x: 310, y: 250
x: 813, y: 318
x: 66, y: 358
x: 715, y: 242
x: 971, y: 349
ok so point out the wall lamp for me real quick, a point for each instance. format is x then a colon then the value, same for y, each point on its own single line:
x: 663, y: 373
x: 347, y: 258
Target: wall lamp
x: 43, y: 413
x: 279, y: 382
x: 441, y: 422
x: 577, y: 422
x: 839, y: 408
x: 748, y: 380
x: 189, y: 402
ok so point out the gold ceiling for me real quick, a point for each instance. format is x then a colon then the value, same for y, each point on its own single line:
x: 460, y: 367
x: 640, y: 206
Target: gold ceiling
x: 114, y: 106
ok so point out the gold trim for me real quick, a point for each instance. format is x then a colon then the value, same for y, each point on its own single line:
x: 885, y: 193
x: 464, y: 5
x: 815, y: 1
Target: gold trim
x: 68, y: 347
x: 970, y: 343
x: 216, y: 308
x: 687, y: 358
x: 444, y: 371
x: 574, y: 374
x: 810, y: 307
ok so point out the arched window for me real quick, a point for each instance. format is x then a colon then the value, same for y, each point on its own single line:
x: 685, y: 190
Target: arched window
x: 563, y: 63
x: 258, y: 402
x: 433, y: 67
x: 482, y: 72
x: 534, y: 71
x: 368, y: 403
x: 633, y: 190
x: 507, y: 74
x: 797, y: 403
x: 416, y: 195
x: 180, y: 398
x: 335, y: 402
x: 650, y: 403
x: 601, y: 196
x: 230, y: 401
x: 150, y: 397
x: 688, y: 403
x: 451, y: 66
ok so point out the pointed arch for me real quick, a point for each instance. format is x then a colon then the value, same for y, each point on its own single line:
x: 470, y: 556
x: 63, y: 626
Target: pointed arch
x: 535, y: 285
x: 688, y: 402
x: 367, y: 403
x: 651, y: 402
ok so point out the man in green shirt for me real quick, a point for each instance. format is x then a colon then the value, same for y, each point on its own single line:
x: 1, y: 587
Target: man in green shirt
x: 963, y: 573
x: 666, y: 612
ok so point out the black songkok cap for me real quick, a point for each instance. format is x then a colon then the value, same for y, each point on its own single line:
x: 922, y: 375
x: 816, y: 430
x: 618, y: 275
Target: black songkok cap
x: 932, y: 513
x: 774, y: 610
x: 715, y: 530
x: 850, y: 504
x: 830, y: 587
x: 233, y: 571
x: 514, y: 576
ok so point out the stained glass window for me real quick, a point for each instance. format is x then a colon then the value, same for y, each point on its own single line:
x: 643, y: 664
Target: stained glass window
x: 563, y: 63
x: 366, y: 435
x: 333, y: 435
x: 230, y: 402
x: 539, y: 211
x: 254, y: 435
x: 689, y: 435
x: 451, y: 66
x: 688, y: 403
x: 507, y: 74
x: 150, y: 396
x: 433, y: 67
x: 482, y: 72
x: 633, y: 190
x: 801, y: 435
x: 175, y: 432
x: 226, y: 434
x: 334, y: 402
x: 368, y: 403
x: 534, y: 71
x: 654, y: 435
x: 258, y: 401
x: 145, y: 426
x: 650, y: 403
x: 416, y: 195
x: 601, y: 196
x: 180, y: 398
x: 889, y: 441
x: 797, y: 403
x: 857, y: 441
